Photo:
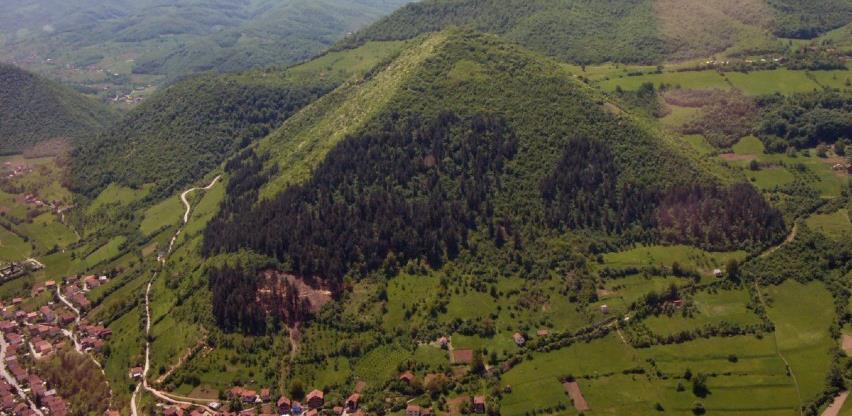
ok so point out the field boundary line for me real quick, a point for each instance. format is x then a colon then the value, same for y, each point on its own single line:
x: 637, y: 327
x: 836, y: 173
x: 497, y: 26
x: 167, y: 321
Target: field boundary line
x: 778, y: 349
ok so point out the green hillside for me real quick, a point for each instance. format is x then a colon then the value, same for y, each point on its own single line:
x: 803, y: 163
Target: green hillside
x: 188, y: 129
x: 627, y: 31
x: 463, y: 138
x: 34, y: 109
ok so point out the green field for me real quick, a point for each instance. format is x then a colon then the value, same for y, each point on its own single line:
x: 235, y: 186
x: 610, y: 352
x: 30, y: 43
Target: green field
x: 117, y: 194
x: 835, y: 225
x: 687, y: 256
x: 168, y: 212
x: 802, y: 315
x: 783, y: 81
x: 688, y: 79
x: 106, y: 252
x: 12, y: 247
x: 712, y: 309
x: 535, y: 382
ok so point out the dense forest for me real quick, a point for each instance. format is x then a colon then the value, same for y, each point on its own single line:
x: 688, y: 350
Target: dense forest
x: 34, y: 109
x: 182, y: 133
x: 805, y: 120
x: 584, y: 192
x: 410, y: 190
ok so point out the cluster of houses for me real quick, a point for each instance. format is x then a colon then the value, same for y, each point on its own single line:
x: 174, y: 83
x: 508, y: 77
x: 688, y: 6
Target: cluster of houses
x: 12, y: 170
x: 38, y: 334
x: 48, y: 400
x: 76, y: 288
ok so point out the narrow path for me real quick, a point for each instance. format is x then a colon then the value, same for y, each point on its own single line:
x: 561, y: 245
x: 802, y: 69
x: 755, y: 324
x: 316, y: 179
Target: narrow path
x: 164, y: 396
x: 790, y: 237
x: 777, y: 348
x: 11, y: 380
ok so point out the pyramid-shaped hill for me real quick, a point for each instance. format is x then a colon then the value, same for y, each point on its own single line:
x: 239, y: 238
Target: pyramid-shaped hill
x: 35, y: 110
x: 467, y: 138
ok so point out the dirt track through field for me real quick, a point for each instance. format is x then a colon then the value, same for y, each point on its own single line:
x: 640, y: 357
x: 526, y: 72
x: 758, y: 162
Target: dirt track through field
x: 836, y: 405
x: 573, y: 390
x: 165, y: 396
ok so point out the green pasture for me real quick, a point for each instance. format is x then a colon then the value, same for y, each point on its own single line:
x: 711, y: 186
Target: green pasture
x: 711, y: 309
x: 536, y: 381
x: 802, y: 314
x: 13, y: 247
x: 835, y: 225
x: 690, y: 257
x: 783, y: 81
x: 167, y: 212
x: 106, y: 252
x: 117, y: 194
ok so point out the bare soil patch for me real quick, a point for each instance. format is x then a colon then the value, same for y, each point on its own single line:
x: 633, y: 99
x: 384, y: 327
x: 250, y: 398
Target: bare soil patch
x: 733, y: 157
x: 846, y: 344
x: 573, y: 390
x: 462, y: 356
x: 836, y: 405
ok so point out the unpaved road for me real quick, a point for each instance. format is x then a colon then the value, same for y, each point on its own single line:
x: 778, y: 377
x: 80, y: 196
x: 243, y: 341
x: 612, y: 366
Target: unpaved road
x: 164, y: 396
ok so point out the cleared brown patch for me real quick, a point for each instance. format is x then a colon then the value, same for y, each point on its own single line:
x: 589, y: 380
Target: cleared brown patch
x: 836, y: 405
x: 455, y: 404
x: 462, y: 356
x: 314, y: 292
x: 733, y: 157
x: 573, y: 390
x: 360, y: 386
x: 846, y: 344
x: 53, y: 147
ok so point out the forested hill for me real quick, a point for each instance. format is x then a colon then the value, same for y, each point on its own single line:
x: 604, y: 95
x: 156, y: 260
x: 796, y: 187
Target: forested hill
x: 188, y: 129
x: 628, y: 31
x: 464, y: 146
x: 185, y: 131
x: 34, y: 110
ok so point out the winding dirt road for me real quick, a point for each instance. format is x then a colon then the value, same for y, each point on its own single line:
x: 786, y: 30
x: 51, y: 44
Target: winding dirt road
x: 164, y: 396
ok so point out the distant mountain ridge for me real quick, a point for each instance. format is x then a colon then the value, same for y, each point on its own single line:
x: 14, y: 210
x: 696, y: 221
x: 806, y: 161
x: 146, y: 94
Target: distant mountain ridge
x: 34, y: 109
x: 627, y: 31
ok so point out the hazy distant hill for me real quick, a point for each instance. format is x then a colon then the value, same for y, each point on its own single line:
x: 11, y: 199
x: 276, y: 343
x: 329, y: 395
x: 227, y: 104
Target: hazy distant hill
x: 176, y: 38
x: 34, y: 109
x: 637, y: 31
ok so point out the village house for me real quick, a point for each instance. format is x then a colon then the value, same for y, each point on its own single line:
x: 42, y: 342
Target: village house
x: 542, y: 333
x: 352, y: 402
x: 315, y: 399
x: 408, y: 377
x: 519, y: 339
x: 412, y: 410
x: 8, y: 326
x: 718, y: 273
x: 604, y: 309
x: 283, y: 405
x: 479, y: 404
x: 136, y: 372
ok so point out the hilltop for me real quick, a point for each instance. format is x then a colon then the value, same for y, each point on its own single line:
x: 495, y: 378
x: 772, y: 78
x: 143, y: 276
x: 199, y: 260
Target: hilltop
x: 626, y: 31
x: 34, y: 110
x: 463, y: 139
x: 188, y: 129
